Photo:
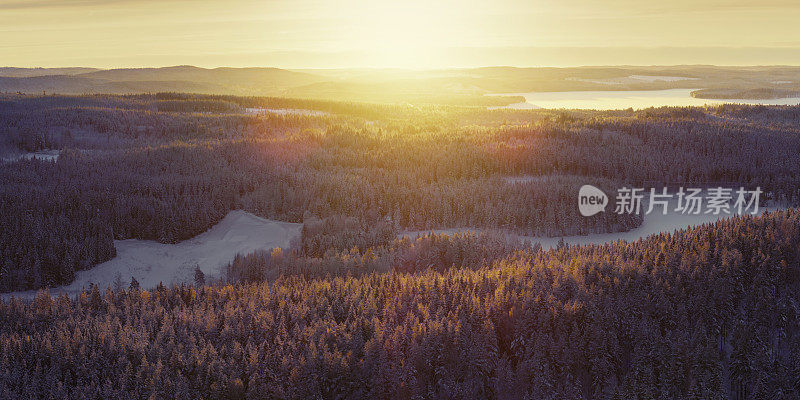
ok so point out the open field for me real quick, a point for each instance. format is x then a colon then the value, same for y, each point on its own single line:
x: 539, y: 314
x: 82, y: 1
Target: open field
x: 151, y: 263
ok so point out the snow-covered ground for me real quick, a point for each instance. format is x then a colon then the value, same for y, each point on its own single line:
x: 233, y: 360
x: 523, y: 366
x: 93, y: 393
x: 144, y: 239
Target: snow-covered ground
x: 526, y: 178
x: 152, y: 263
x: 240, y: 232
x: 654, y: 223
x: 44, y: 155
x: 287, y: 111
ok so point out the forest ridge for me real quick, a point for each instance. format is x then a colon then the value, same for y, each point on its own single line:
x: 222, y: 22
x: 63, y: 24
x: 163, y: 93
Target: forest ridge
x: 709, y: 312
x: 443, y: 86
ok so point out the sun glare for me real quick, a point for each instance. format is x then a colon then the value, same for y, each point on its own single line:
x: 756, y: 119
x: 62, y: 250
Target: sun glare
x: 403, y: 34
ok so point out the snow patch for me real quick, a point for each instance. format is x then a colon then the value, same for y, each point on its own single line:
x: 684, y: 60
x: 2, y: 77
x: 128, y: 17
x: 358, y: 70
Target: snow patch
x: 525, y: 178
x: 287, y: 111
x: 152, y: 263
x: 44, y: 155
x: 653, y: 224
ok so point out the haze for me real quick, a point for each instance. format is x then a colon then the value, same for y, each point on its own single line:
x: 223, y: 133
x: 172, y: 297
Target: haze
x: 409, y: 34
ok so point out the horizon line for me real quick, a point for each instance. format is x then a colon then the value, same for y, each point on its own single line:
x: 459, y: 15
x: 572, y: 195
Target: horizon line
x: 85, y: 66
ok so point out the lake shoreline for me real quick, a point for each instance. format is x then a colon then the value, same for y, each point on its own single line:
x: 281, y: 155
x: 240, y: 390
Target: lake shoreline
x: 624, y: 99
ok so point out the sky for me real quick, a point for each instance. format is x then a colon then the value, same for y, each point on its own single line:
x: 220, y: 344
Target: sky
x: 407, y: 34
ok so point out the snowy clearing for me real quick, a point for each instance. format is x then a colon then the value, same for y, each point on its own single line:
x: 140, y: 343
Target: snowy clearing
x: 653, y: 224
x: 152, y: 263
x: 527, y: 178
x: 287, y: 111
x: 44, y: 155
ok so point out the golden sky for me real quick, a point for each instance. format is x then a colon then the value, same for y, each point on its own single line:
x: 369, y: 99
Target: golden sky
x: 408, y: 33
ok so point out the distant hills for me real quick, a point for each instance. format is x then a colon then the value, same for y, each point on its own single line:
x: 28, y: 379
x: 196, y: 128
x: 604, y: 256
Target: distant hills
x: 398, y: 84
x: 255, y: 81
x: 15, y: 72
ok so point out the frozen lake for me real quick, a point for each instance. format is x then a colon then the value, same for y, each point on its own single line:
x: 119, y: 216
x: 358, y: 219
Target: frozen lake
x: 622, y: 99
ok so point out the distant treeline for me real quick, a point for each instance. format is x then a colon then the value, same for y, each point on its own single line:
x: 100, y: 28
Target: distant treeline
x: 750, y: 93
